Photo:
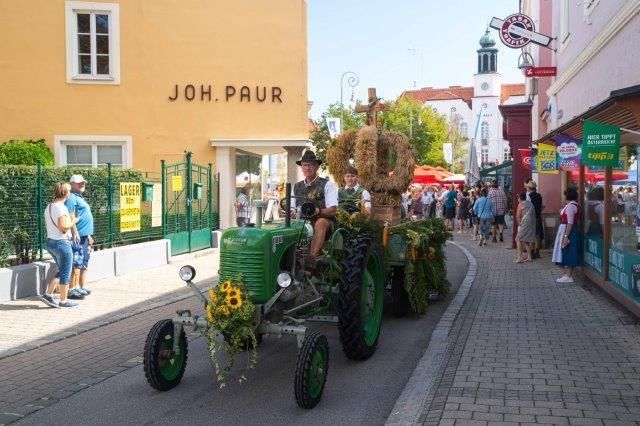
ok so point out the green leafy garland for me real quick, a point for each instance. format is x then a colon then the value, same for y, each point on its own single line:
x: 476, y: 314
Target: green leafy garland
x: 426, y: 269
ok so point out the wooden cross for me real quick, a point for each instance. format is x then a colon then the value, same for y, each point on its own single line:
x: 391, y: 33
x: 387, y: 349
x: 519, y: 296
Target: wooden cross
x: 372, y: 108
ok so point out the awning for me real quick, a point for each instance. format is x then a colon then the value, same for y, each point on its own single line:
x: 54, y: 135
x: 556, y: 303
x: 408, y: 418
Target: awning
x: 617, y: 110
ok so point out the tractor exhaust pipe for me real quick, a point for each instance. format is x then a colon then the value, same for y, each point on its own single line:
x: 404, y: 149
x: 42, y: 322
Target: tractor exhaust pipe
x: 287, y: 205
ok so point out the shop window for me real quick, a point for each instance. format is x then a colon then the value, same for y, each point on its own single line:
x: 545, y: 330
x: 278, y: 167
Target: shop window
x: 248, y: 174
x: 96, y: 151
x: 93, y: 42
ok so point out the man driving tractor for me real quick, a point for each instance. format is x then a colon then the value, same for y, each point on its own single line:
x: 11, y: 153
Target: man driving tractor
x: 324, y: 193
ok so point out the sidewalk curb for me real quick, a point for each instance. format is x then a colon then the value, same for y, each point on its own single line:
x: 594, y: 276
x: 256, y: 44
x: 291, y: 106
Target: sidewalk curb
x: 155, y: 302
x: 407, y: 408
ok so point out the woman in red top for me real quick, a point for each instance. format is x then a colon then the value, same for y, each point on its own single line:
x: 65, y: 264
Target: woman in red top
x: 566, y: 250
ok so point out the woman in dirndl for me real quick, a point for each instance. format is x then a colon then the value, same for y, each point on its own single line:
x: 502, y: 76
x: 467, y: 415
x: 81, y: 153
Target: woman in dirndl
x: 567, y: 248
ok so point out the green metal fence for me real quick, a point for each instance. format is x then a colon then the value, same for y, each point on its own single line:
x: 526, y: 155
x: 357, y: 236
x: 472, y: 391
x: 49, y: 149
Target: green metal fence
x: 26, y: 190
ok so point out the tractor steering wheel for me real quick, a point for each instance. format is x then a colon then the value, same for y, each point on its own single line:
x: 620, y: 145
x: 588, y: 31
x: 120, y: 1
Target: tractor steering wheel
x: 308, y: 209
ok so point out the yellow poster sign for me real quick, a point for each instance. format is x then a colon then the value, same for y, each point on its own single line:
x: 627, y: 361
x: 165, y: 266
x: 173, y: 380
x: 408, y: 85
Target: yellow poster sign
x: 176, y: 183
x: 130, y: 206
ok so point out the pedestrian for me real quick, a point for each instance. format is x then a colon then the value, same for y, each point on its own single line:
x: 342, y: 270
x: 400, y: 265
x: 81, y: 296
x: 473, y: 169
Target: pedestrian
x: 463, y: 211
x: 538, y: 205
x: 428, y: 198
x: 352, y: 197
x: 475, y: 221
x: 243, y: 212
x: 629, y: 206
x: 417, y: 202
x: 406, y: 196
x: 82, y: 231
x: 58, y: 222
x: 567, y: 249
x: 499, y: 207
x: 484, y: 210
x: 450, y: 207
x: 526, y: 220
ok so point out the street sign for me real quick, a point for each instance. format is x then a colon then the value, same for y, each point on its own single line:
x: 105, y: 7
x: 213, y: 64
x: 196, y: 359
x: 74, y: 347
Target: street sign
x: 540, y: 71
x: 518, y: 30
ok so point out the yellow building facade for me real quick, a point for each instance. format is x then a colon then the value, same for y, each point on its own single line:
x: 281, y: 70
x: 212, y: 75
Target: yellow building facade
x: 132, y: 82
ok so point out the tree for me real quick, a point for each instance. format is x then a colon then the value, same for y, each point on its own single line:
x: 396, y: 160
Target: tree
x: 426, y: 129
x: 320, y: 136
x: 460, y: 145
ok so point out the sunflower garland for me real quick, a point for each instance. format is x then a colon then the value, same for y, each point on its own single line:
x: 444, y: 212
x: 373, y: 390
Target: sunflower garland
x: 230, y: 313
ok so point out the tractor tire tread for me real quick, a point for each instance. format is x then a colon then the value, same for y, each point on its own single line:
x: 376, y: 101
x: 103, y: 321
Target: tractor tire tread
x: 303, y: 363
x: 150, y: 357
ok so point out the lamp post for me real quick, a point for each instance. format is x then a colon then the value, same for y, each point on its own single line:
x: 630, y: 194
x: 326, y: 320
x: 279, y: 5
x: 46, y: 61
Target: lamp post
x: 454, y: 136
x: 352, y: 80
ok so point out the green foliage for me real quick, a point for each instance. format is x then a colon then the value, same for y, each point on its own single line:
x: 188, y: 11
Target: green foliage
x: 427, y: 129
x: 426, y: 270
x: 320, y: 136
x: 27, y: 152
x: 358, y: 223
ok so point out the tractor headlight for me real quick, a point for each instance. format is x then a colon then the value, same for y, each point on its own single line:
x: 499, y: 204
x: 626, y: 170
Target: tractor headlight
x: 284, y: 279
x: 187, y: 273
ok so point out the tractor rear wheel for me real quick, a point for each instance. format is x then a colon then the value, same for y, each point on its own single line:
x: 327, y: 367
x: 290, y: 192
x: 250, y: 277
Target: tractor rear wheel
x: 399, y: 296
x: 311, y: 370
x: 360, y: 298
x: 162, y: 367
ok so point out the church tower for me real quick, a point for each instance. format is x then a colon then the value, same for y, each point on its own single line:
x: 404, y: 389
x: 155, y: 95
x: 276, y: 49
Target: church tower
x: 487, y: 90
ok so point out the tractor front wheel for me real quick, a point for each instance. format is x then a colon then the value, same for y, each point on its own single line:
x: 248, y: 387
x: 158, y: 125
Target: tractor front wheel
x: 311, y: 370
x: 360, y: 298
x: 162, y: 366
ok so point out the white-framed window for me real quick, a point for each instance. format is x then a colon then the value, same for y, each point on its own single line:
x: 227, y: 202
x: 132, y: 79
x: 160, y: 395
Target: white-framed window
x: 93, y: 42
x: 484, y: 152
x: 93, y: 150
x: 564, y: 21
x: 464, y: 130
x: 506, y: 155
x: 484, y: 130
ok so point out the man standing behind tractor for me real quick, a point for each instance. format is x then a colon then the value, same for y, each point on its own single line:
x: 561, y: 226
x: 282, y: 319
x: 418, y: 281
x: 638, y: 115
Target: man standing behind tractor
x: 352, y: 196
x: 324, y: 193
x: 82, y: 231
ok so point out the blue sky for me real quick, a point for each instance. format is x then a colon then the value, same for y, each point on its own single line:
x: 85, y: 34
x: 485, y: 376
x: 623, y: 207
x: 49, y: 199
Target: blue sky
x: 383, y: 42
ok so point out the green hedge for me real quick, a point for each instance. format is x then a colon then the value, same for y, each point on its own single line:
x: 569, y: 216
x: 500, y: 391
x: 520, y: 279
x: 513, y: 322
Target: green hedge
x: 25, y: 152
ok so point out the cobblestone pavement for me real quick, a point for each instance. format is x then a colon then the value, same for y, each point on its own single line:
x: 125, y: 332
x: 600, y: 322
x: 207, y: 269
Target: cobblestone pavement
x: 28, y: 323
x: 525, y: 349
x: 71, y: 359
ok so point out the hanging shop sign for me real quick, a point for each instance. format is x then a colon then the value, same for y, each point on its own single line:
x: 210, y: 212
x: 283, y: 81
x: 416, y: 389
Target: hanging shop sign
x: 547, y: 161
x: 334, y: 126
x: 130, y: 206
x: 447, y: 149
x: 568, y: 152
x: 600, y: 144
x: 176, y: 183
x: 518, y: 30
x: 540, y: 71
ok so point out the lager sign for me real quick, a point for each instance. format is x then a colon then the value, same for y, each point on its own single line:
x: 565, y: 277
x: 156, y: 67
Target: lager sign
x: 600, y: 144
x: 130, y: 206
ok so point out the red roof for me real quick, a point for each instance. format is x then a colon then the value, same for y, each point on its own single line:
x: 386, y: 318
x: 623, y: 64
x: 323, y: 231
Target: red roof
x: 458, y: 92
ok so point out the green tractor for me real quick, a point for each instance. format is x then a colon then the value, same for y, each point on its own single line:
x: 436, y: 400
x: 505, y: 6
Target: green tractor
x: 287, y: 295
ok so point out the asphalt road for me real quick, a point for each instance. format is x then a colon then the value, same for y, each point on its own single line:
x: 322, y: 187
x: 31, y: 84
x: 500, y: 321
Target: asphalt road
x: 355, y: 393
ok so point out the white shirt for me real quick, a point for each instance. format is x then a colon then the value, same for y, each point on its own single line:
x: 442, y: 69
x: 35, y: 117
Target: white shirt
x: 51, y: 215
x: 330, y: 195
x: 427, y: 198
x: 366, y: 196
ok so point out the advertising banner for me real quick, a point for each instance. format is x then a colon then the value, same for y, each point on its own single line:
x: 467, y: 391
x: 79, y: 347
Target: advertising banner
x: 547, y: 161
x: 600, y: 144
x: 447, y: 148
x: 130, y: 206
x: 568, y: 152
x: 334, y: 126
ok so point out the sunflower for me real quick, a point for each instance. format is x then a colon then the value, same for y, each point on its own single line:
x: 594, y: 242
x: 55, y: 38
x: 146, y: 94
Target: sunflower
x: 225, y: 286
x: 213, y: 296
x: 234, y: 292
x: 224, y: 310
x: 209, y: 313
x: 234, y: 302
